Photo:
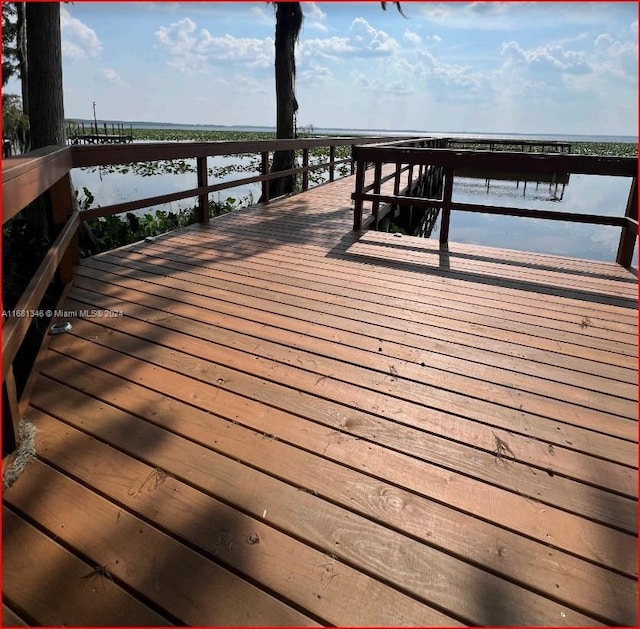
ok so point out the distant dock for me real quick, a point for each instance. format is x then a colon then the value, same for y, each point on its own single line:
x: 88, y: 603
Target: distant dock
x: 93, y: 134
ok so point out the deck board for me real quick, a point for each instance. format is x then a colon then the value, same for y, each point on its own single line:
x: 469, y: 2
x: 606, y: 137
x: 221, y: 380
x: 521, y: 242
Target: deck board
x: 293, y: 424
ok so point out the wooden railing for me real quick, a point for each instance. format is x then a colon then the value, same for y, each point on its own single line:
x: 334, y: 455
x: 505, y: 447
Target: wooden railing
x: 47, y: 172
x: 404, y: 157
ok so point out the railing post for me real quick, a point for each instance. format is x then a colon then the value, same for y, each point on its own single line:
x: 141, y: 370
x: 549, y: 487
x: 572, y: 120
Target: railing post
x: 410, y: 177
x: 305, y: 172
x: 628, y: 237
x: 377, y: 176
x: 446, y: 206
x: 203, y: 199
x: 353, y: 159
x: 264, y: 170
x: 332, y: 164
x: 361, y: 168
x: 61, y: 195
x: 10, y: 413
x: 396, y: 184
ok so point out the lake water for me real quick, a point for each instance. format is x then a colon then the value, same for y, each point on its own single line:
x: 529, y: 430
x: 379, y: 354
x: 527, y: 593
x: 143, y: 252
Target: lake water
x: 583, y: 193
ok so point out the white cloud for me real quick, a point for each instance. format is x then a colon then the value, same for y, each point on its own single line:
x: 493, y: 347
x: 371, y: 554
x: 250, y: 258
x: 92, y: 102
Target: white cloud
x: 511, y: 16
x: 363, y: 41
x: 395, y: 87
x: 242, y: 50
x: 262, y: 14
x: 604, y: 39
x: 248, y: 85
x: 314, y: 16
x: 191, y: 52
x: 368, y: 40
x: 412, y: 37
x: 111, y: 76
x: 78, y: 40
x: 312, y: 11
x: 315, y: 74
x: 329, y: 48
x: 178, y: 38
x: 179, y: 41
x: 550, y: 57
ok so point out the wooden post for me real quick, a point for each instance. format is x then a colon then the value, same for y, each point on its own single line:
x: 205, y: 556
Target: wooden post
x: 305, y: 172
x: 203, y: 199
x: 264, y: 170
x: 61, y: 195
x: 10, y: 413
x: 377, y: 176
x: 396, y: 186
x: 446, y: 206
x: 332, y: 164
x: 628, y: 236
x: 357, y: 210
x: 353, y: 161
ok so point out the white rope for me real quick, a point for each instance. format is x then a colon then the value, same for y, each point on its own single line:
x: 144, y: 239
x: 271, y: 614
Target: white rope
x: 25, y: 451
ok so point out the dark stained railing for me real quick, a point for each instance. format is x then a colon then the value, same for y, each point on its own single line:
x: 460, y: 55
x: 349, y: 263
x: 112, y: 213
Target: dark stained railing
x: 450, y: 160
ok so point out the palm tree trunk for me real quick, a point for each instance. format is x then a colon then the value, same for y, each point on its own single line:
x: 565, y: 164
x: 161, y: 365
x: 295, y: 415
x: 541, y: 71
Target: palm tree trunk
x: 45, y: 99
x: 288, y: 24
x: 44, y: 86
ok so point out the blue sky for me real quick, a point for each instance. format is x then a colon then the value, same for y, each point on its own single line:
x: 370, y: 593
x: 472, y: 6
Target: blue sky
x: 510, y: 67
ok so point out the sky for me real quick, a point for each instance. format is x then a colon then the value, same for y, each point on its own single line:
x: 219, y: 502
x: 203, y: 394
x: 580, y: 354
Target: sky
x: 493, y: 67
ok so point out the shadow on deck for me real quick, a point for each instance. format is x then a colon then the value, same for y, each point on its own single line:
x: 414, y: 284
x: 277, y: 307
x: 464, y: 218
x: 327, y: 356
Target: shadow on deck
x: 264, y: 421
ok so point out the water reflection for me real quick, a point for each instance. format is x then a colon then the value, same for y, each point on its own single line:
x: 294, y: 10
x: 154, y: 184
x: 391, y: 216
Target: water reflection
x: 110, y: 186
x: 587, y: 194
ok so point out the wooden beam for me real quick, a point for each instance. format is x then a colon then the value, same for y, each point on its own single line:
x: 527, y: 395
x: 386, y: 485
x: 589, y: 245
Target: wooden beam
x: 27, y: 177
x: 377, y: 176
x: 332, y: 162
x: 446, y: 206
x: 25, y: 397
x: 106, y: 155
x: 361, y: 167
x: 305, y: 172
x: 10, y: 412
x: 15, y: 328
x: 203, y: 199
x: 61, y: 195
x: 503, y: 160
x: 265, y: 171
x: 628, y: 237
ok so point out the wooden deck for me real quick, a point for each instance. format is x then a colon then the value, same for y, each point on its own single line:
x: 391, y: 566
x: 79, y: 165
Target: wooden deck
x: 294, y: 425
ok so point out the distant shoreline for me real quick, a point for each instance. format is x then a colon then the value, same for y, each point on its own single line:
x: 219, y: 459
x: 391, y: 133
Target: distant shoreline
x: 624, y: 139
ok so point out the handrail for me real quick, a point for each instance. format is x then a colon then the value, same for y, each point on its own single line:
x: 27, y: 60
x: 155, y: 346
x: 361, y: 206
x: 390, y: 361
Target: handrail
x: 27, y: 177
x: 451, y: 159
x: 502, y: 160
x: 108, y: 155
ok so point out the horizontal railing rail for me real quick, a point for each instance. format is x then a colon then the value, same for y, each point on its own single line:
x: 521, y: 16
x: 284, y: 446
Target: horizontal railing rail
x: 47, y: 171
x: 403, y: 158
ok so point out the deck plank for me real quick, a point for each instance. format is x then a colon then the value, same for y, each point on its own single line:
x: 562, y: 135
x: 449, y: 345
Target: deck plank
x: 339, y: 428
x: 340, y: 532
x: 428, y: 348
x: 57, y: 588
x: 489, y: 502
